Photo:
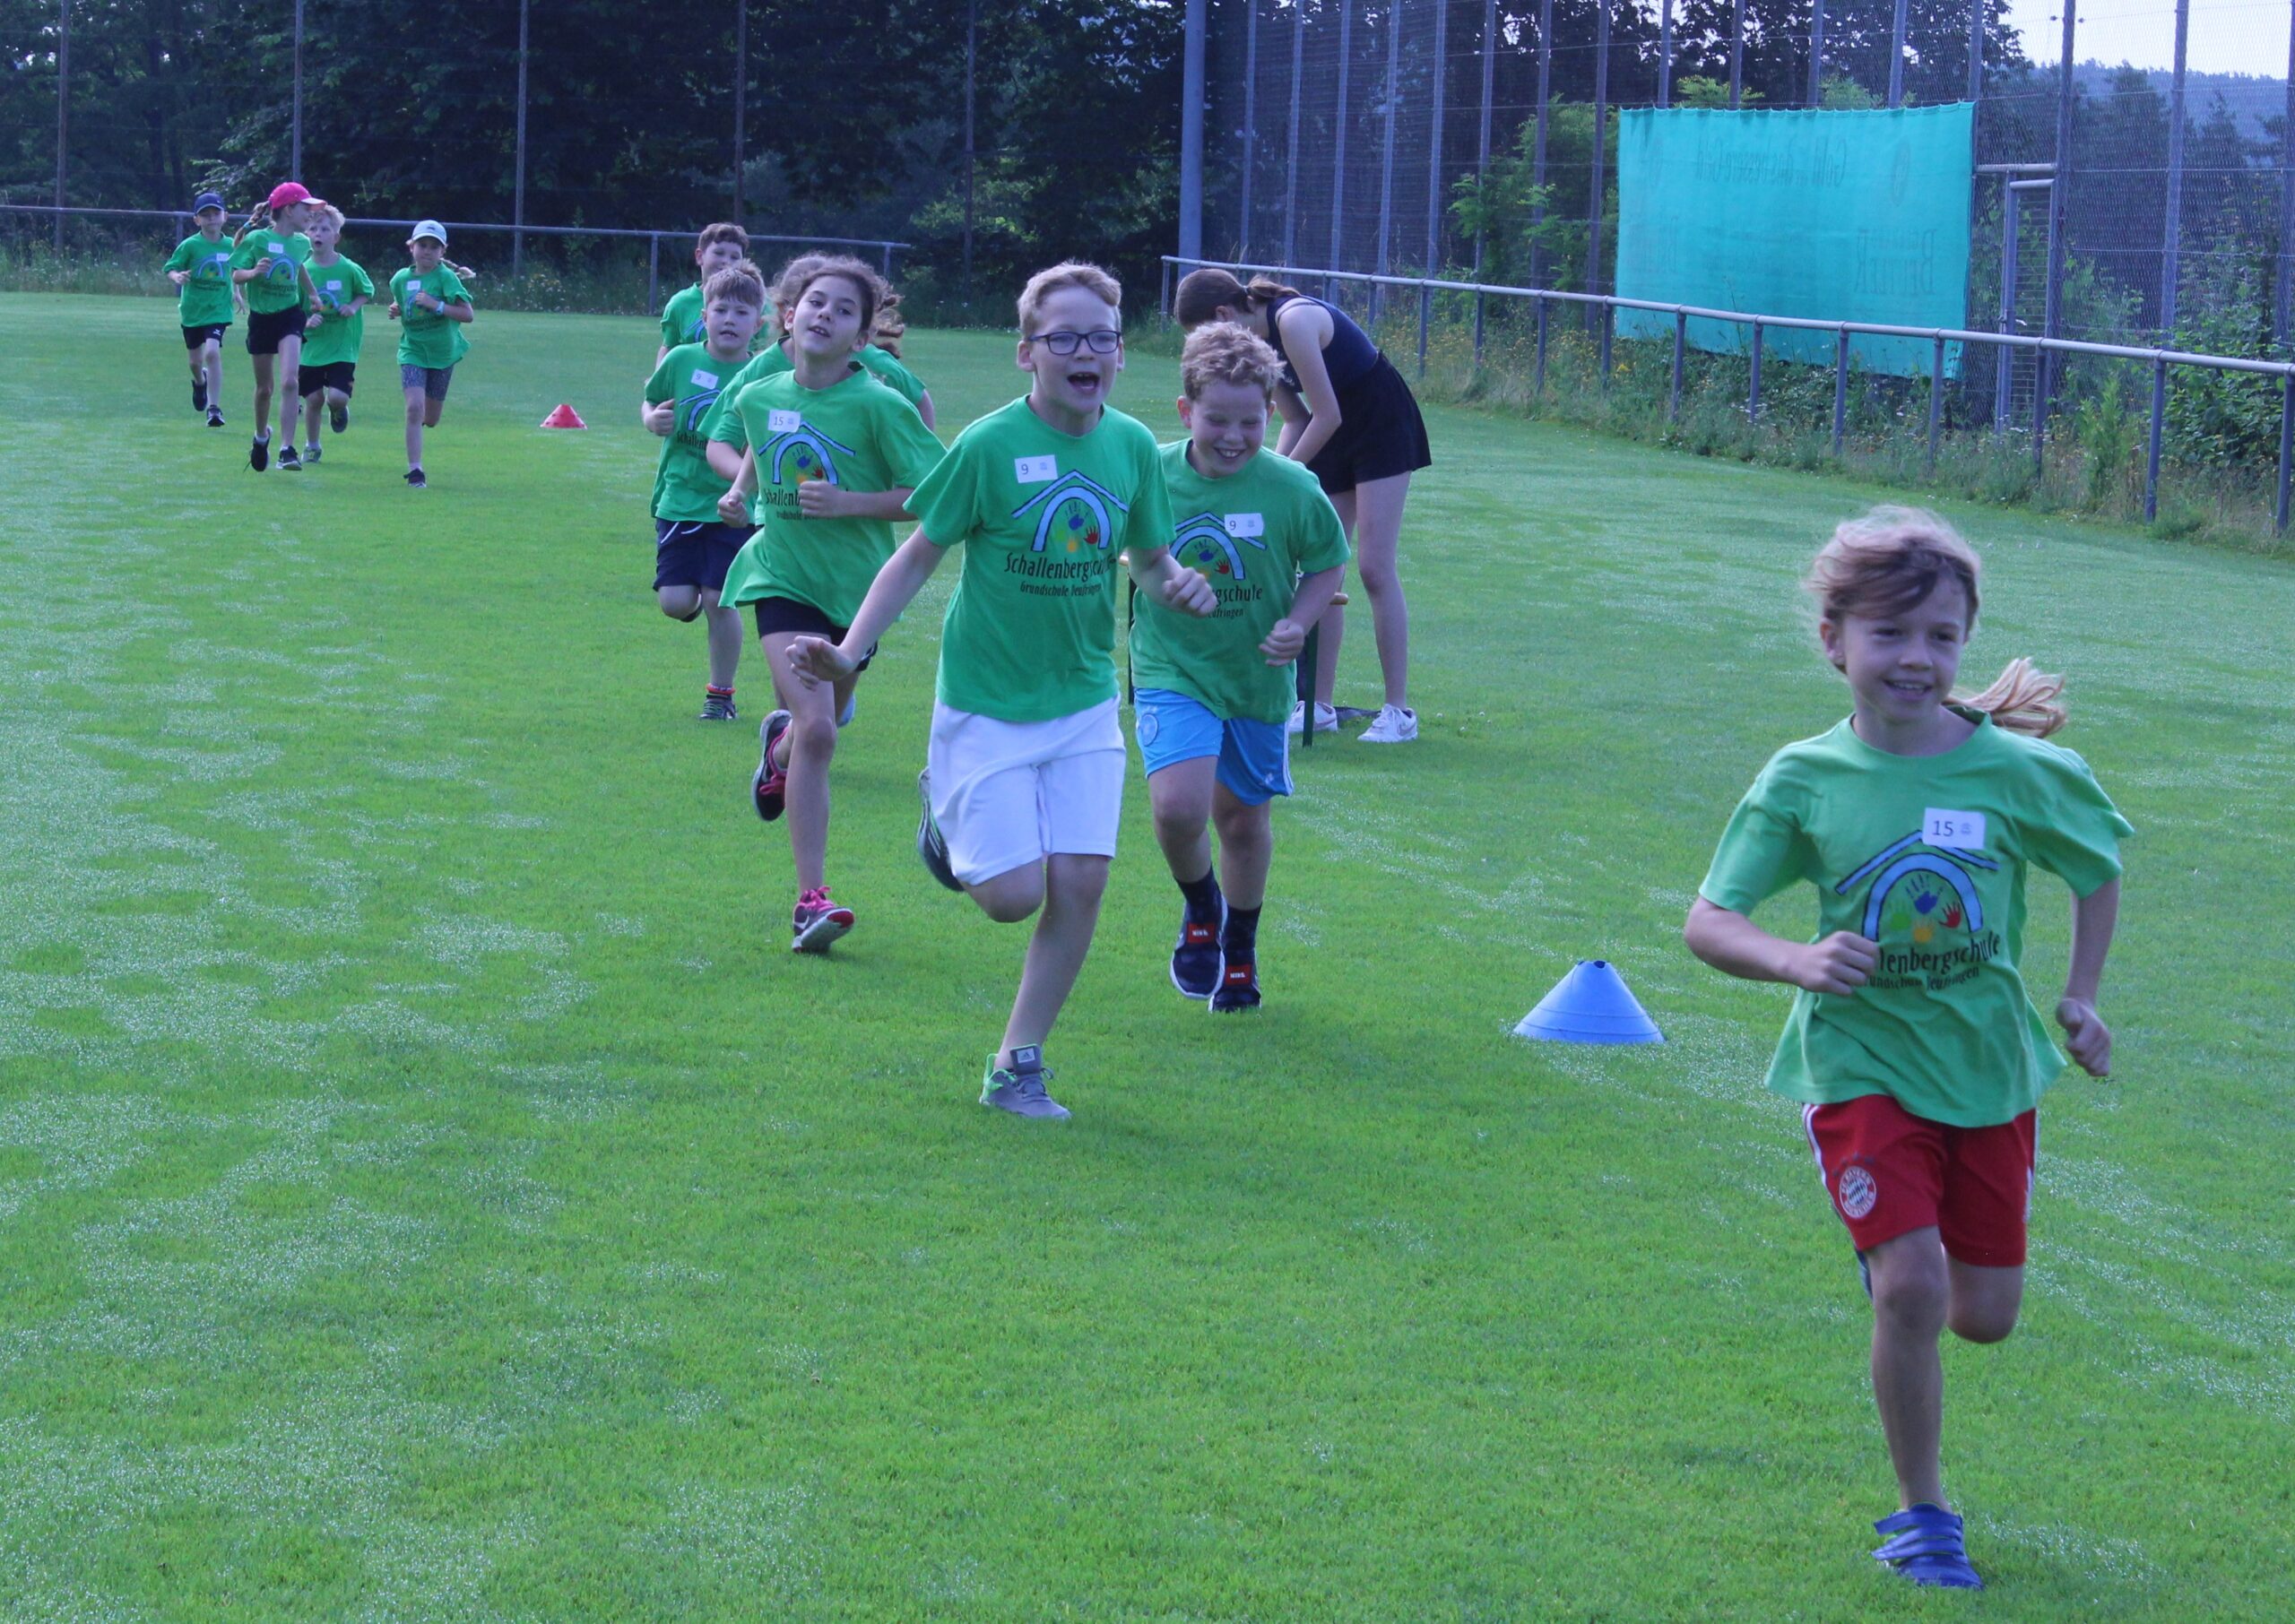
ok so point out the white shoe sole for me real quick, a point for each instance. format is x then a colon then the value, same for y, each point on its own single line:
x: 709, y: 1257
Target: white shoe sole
x: 817, y: 937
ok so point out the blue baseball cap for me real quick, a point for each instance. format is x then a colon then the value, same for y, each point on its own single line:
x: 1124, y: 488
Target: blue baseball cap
x: 206, y: 200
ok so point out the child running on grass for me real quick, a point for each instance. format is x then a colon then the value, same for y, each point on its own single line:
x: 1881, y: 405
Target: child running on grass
x: 832, y: 455
x: 1212, y: 695
x: 692, y: 544
x: 200, y: 267
x: 430, y: 305
x: 269, y: 264
x: 778, y: 357
x: 1912, y: 1044
x: 684, y: 319
x: 335, y: 331
x: 1025, y: 781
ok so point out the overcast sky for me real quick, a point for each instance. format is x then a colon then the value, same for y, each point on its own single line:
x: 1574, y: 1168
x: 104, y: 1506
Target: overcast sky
x: 2227, y: 36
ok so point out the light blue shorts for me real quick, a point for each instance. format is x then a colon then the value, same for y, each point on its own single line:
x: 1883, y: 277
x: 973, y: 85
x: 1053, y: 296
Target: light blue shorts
x: 1254, y: 756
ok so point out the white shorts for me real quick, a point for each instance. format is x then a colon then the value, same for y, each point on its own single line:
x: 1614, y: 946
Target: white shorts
x: 1010, y: 793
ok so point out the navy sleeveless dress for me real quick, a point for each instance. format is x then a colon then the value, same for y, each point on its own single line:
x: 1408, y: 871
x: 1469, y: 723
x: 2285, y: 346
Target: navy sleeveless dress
x: 1380, y: 431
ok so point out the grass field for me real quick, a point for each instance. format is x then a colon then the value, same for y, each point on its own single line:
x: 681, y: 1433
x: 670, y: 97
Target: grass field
x: 430, y: 1190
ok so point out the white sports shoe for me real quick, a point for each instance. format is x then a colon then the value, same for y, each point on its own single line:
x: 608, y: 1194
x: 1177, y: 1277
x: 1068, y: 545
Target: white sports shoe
x: 1326, y: 717
x: 1392, y: 725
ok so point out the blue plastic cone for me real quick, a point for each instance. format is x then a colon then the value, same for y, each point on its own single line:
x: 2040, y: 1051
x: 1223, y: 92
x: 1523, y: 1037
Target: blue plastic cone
x: 1590, y: 1005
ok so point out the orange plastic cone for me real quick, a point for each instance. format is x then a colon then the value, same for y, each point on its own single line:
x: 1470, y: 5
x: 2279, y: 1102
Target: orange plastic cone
x: 565, y: 416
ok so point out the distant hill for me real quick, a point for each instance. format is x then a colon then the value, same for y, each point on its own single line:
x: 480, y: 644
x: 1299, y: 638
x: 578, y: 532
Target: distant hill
x: 2258, y: 103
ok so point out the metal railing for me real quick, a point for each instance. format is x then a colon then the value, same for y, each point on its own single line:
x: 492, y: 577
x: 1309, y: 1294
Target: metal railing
x: 883, y: 247
x: 2159, y: 361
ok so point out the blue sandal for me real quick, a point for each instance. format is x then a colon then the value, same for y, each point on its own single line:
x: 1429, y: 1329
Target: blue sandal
x: 1926, y: 1548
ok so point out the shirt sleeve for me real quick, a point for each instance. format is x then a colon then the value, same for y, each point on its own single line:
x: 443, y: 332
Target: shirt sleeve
x: 1762, y: 852
x: 888, y: 369
x: 1322, y: 543
x: 719, y: 423
x: 910, y: 450
x: 180, y: 260
x: 946, y: 501
x: 366, y: 283
x: 661, y: 387
x: 669, y: 338
x: 2073, y: 831
x: 455, y: 293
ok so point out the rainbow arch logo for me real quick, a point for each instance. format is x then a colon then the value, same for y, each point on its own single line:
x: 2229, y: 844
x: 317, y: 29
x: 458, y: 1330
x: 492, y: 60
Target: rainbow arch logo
x: 1203, y: 544
x: 1939, y: 891
x: 1071, y: 512
x: 813, y: 453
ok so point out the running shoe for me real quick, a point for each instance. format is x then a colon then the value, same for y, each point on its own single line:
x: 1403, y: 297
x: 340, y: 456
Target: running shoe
x: 214, y: 417
x: 1018, y: 1088
x: 1394, y: 724
x: 1195, y: 957
x: 818, y: 922
x: 1926, y: 1546
x: 852, y: 704
x: 259, y: 454
x: 769, y: 785
x: 414, y: 477
x: 199, y: 394
x: 338, y: 415
x: 1326, y: 719
x: 290, y: 461
x: 1238, y: 989
x: 311, y: 452
x: 930, y: 846
x: 719, y: 707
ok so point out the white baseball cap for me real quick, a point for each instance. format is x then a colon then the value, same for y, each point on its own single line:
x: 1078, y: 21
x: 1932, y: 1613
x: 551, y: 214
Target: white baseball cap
x: 430, y: 227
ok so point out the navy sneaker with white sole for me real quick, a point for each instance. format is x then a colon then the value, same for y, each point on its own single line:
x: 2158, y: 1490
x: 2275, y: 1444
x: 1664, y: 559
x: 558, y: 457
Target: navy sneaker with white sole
x: 1196, y: 958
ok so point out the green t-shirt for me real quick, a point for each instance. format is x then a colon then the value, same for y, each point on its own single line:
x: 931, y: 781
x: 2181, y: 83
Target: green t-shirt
x: 282, y: 286
x: 681, y: 317
x: 774, y: 359
x: 857, y: 434
x: 1030, y: 633
x: 1925, y: 855
x: 206, y: 297
x: 685, y: 487
x: 338, y: 337
x: 1253, y: 535
x: 425, y: 337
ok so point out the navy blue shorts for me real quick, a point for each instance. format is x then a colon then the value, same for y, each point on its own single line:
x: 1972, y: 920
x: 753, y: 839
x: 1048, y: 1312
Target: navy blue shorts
x: 327, y: 375
x: 268, y: 329
x: 207, y: 332
x: 795, y: 615
x: 695, y: 552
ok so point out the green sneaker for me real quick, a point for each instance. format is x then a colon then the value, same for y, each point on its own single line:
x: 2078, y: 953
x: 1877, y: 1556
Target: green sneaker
x: 1019, y: 1087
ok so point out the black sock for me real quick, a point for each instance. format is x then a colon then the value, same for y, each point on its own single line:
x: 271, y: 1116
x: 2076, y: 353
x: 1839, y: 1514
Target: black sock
x: 1202, y: 897
x: 1241, y: 939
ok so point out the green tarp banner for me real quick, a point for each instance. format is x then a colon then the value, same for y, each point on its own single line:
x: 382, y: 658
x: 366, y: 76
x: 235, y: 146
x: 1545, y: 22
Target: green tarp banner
x: 1858, y: 216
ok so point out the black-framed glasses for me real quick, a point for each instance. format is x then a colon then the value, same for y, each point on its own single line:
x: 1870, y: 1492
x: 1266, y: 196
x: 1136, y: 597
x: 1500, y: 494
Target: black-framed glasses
x: 1100, y: 340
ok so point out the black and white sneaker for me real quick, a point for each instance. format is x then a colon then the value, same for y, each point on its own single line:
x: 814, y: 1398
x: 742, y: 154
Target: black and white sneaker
x: 290, y: 461
x: 930, y: 844
x: 199, y: 394
x: 338, y: 416
x: 214, y: 417
x: 1196, y: 958
x: 259, y: 454
x: 414, y: 477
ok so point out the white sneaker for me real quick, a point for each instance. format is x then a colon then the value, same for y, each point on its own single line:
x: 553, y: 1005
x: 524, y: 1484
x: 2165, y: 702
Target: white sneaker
x: 1392, y: 725
x: 1326, y: 717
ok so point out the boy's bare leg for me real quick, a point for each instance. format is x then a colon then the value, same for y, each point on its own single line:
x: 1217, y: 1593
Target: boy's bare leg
x: 724, y: 641
x: 213, y: 360
x: 1246, y: 847
x: 415, y: 421
x: 1073, y: 886
x: 1180, y: 798
x: 311, y: 404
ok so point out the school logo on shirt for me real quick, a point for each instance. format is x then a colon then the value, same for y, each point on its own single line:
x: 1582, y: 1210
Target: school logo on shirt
x: 806, y: 450
x: 212, y: 267
x: 1072, y: 513
x: 1922, y: 907
x: 695, y: 406
x: 1206, y: 543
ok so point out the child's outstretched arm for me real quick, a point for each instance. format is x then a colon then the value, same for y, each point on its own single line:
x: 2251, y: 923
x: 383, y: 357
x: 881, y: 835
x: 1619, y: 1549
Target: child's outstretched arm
x: 820, y: 499
x: 1728, y: 941
x: 2086, y: 1038
x: 816, y: 660
x: 1284, y: 644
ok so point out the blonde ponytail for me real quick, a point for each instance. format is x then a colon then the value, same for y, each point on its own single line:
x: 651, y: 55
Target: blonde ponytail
x: 2022, y: 699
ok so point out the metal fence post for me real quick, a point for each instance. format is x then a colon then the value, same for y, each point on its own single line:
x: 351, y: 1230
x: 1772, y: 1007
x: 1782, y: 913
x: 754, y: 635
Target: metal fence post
x: 518, y: 184
x: 295, y: 118
x: 1340, y: 113
x: 2171, y: 250
x: 2004, y: 361
x: 1609, y: 313
x: 1817, y: 54
x: 1681, y: 342
x: 1250, y: 127
x: 2286, y: 449
x: 972, y: 151
x: 1935, y: 398
x: 1537, y: 150
x: 1482, y: 151
x: 1537, y: 383
x: 1291, y: 148
x: 1386, y: 154
x: 652, y: 272
x: 1191, y: 130
x: 1978, y: 11
x: 2152, y: 443
x: 1896, y: 58
x: 1441, y: 73
x: 1601, y: 129
x: 1424, y: 311
x: 63, y: 107
x: 740, y: 109
x: 1840, y: 389
x: 2283, y: 327
x: 1737, y: 51
x: 1164, y: 291
x: 1753, y: 386
x: 2053, y: 326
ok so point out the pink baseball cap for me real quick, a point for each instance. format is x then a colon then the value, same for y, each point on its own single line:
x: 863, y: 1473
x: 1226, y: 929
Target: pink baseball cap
x: 289, y: 192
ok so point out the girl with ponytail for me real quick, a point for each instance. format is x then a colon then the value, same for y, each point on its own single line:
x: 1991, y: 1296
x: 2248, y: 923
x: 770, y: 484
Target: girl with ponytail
x: 1915, y: 1052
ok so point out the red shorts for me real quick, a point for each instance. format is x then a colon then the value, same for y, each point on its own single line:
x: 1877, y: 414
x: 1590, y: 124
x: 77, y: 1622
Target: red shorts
x: 1890, y: 1173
